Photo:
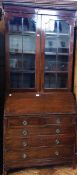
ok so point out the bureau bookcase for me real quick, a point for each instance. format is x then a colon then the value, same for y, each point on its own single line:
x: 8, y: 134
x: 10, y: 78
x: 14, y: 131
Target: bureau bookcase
x: 40, y: 110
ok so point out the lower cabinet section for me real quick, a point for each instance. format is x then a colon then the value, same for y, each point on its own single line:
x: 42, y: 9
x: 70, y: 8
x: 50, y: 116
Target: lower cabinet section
x: 36, y: 141
x: 40, y: 141
x: 40, y: 153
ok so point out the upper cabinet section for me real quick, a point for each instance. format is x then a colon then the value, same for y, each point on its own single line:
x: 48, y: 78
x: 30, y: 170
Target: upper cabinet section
x: 56, y: 52
x: 19, y: 24
x: 53, y: 25
x: 40, y: 49
x: 22, y: 51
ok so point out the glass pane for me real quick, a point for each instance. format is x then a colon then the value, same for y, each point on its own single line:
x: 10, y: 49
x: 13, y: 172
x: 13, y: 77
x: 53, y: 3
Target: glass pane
x: 29, y: 23
x: 49, y: 24
x: 50, y: 43
x: 29, y: 42
x: 62, y: 63
x: 50, y: 80
x: 57, y: 42
x: 50, y: 63
x: 29, y: 62
x: 63, y: 58
x: 16, y: 80
x: 62, y: 80
x: 15, y: 43
x: 15, y: 61
x: 62, y: 66
x: 63, y: 26
x: 28, y: 80
x: 15, y: 24
x: 22, y: 46
x: 63, y: 44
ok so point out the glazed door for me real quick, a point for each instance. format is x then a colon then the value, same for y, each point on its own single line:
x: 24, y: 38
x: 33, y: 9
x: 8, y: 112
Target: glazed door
x: 23, y: 59
x: 57, y: 49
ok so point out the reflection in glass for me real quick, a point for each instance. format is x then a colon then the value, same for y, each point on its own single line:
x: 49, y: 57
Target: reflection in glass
x: 15, y: 80
x: 57, y: 39
x: 63, y: 26
x: 29, y: 41
x: 50, y: 62
x: 63, y: 44
x: 29, y: 24
x: 62, y: 63
x: 28, y: 80
x: 15, y: 24
x: 22, y: 42
x: 63, y: 58
x: 29, y: 62
x: 15, y: 61
x: 62, y: 66
x: 62, y: 80
x: 15, y: 43
x: 50, y: 43
x: 50, y: 80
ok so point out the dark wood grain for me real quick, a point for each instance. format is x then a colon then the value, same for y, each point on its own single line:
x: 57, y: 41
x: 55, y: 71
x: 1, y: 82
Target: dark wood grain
x: 39, y: 125
x: 41, y: 120
x: 55, y: 102
x: 41, y: 141
x: 40, y: 153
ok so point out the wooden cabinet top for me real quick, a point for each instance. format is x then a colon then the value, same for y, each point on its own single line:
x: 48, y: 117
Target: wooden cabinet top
x: 55, y: 102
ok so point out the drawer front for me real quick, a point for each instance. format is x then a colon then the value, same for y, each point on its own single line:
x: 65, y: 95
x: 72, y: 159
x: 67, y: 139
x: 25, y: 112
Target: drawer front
x: 14, y: 122
x: 39, y: 141
x: 40, y: 153
x: 45, y: 130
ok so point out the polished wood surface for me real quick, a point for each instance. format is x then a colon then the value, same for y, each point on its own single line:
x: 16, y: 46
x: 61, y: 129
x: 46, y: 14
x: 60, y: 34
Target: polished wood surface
x: 47, y: 116
x: 55, y: 145
x: 55, y: 102
x: 22, y: 143
x: 75, y: 71
x: 50, y: 3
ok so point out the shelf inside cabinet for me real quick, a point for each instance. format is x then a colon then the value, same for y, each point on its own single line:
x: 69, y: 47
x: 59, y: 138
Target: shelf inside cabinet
x: 23, y: 71
x: 22, y: 33
x: 49, y: 72
x: 54, y: 53
x: 57, y: 34
x: 15, y: 52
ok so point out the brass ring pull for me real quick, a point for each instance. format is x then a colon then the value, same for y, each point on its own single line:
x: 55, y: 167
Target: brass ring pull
x: 24, y: 122
x: 24, y: 156
x: 24, y: 144
x: 24, y: 133
x: 57, y: 131
x: 57, y: 141
x: 57, y: 153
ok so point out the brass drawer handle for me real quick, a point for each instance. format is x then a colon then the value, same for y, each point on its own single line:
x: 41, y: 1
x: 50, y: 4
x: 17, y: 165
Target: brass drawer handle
x: 58, y: 121
x: 24, y: 133
x: 57, y: 153
x: 57, y: 141
x: 24, y: 156
x: 24, y: 144
x: 57, y: 131
x: 24, y: 123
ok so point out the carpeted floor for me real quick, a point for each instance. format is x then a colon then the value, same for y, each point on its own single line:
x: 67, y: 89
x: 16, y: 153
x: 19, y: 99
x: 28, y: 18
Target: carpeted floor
x: 63, y: 170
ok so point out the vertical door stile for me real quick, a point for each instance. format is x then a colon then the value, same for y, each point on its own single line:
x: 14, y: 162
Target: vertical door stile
x: 42, y: 52
x: 38, y: 52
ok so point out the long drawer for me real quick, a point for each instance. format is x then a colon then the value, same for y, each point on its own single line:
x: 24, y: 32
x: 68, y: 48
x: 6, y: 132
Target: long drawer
x: 15, y: 122
x: 40, y: 153
x: 40, y: 141
x: 38, y: 130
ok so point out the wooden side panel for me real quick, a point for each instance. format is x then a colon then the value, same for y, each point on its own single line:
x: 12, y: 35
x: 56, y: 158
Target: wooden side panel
x: 75, y: 72
x: 2, y: 75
